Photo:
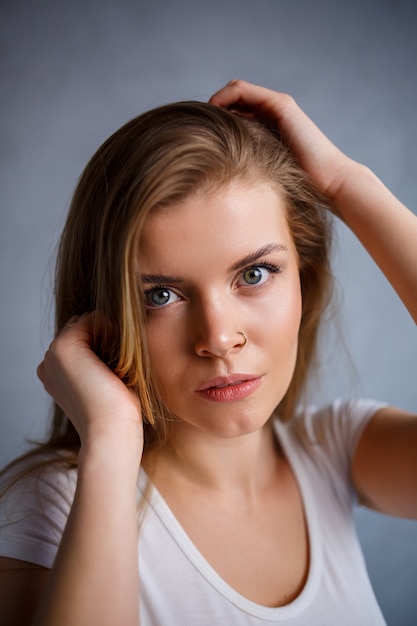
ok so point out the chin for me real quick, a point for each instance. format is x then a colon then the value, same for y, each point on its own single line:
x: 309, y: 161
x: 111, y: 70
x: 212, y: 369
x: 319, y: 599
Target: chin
x: 231, y: 426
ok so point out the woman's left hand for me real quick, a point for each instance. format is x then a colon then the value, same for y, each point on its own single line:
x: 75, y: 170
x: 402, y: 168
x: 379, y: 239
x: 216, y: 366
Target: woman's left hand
x: 386, y: 228
x: 318, y: 156
x: 385, y: 465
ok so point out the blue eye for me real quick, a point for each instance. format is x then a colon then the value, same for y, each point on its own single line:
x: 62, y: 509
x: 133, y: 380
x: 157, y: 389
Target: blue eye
x: 159, y: 297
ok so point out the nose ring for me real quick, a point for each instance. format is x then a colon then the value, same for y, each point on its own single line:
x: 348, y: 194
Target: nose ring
x: 244, y: 338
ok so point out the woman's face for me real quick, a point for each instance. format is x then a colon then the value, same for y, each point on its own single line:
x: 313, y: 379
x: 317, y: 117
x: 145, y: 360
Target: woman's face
x: 217, y: 268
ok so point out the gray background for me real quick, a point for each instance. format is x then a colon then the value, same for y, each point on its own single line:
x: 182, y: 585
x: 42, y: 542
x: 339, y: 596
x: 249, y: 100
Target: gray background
x: 72, y: 72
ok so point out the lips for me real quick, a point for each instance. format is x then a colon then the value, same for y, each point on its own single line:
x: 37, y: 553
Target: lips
x: 229, y: 388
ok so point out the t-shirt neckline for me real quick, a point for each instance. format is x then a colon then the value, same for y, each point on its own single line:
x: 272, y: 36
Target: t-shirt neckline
x: 173, y: 526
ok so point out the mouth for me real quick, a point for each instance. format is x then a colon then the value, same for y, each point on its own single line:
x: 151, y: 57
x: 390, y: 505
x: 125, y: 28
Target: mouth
x: 229, y: 388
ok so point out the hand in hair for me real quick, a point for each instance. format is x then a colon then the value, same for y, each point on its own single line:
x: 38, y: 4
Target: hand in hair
x: 354, y: 192
x: 96, y: 401
x: 317, y: 155
x: 384, y: 468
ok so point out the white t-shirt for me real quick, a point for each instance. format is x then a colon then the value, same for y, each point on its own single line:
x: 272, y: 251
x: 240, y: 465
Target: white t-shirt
x: 178, y: 587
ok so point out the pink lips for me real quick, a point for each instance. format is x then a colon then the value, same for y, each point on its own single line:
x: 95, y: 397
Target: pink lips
x: 229, y: 388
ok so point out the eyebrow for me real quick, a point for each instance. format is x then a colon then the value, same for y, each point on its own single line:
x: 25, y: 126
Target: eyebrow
x: 252, y: 257
x: 160, y: 279
x: 249, y: 259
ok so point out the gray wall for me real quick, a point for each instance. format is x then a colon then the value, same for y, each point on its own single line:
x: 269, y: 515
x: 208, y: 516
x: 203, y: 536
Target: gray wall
x: 72, y: 72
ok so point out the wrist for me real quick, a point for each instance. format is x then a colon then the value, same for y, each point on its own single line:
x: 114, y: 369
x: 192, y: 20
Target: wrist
x: 355, y: 183
x: 117, y: 450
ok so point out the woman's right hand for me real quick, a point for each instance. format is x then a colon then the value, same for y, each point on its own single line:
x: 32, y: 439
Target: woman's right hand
x: 101, y: 534
x: 91, y: 395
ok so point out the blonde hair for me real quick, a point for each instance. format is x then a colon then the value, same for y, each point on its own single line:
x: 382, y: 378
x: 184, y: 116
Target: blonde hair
x: 156, y: 159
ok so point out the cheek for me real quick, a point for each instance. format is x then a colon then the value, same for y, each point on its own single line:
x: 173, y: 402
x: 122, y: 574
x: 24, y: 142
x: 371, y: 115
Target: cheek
x: 284, y: 330
x: 293, y: 325
x: 163, y: 348
x: 285, y: 310
x: 294, y: 319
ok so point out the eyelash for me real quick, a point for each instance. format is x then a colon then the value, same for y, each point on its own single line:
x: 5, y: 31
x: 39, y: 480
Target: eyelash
x: 273, y: 269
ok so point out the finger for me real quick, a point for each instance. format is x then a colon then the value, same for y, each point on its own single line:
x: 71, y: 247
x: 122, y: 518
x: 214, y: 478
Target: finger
x: 77, y: 325
x: 239, y: 93
x: 72, y: 321
x: 225, y: 95
x: 76, y: 319
x: 69, y: 324
x: 40, y: 370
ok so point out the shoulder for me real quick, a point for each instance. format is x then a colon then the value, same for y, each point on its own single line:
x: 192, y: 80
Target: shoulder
x: 36, y: 498
x: 339, y: 423
x: 41, y: 474
x: 323, y: 440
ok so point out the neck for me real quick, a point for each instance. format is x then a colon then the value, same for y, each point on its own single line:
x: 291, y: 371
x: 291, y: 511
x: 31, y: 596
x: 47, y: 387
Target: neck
x: 243, y: 463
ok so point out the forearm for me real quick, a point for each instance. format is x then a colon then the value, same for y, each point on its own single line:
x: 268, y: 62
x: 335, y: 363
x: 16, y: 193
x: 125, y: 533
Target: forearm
x: 95, y: 576
x: 386, y: 228
x: 383, y: 225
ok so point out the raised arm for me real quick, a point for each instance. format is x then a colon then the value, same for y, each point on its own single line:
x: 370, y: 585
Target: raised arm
x: 384, y: 468
x: 95, y: 576
x: 386, y: 228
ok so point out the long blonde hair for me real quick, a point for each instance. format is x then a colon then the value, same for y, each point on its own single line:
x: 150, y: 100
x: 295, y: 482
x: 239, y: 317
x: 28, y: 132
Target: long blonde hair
x: 156, y: 159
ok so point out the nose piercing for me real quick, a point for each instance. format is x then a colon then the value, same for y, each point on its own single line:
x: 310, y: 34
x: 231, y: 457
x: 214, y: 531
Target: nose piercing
x: 244, y: 337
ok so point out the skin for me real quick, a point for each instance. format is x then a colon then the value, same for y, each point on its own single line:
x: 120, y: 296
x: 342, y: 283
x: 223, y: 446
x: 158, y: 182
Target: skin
x: 249, y: 470
x: 195, y: 336
x: 192, y: 330
x: 384, y: 469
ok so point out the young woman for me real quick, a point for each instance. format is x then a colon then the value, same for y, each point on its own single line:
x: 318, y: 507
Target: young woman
x: 185, y: 480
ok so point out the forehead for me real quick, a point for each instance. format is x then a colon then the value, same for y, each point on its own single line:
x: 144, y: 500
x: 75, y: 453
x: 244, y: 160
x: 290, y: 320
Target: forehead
x: 231, y: 220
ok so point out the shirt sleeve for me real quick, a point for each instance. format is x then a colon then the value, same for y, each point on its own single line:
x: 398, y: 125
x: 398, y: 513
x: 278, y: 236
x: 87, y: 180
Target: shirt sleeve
x: 331, y: 434
x: 33, y: 514
x: 348, y: 421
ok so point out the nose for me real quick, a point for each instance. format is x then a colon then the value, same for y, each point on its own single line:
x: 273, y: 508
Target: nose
x: 217, y: 329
